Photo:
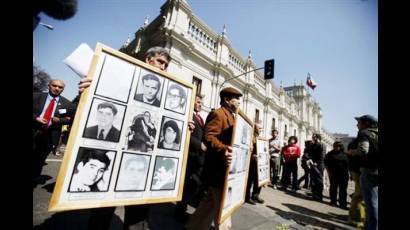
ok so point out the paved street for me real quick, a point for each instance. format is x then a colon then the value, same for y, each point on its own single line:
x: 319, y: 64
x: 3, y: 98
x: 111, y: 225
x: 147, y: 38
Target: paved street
x: 280, y: 208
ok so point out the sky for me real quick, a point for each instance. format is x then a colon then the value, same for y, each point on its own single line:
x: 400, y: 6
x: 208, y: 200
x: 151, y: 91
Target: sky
x: 336, y: 41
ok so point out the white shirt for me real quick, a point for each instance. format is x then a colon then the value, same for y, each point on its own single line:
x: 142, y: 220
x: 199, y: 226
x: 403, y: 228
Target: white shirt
x: 276, y: 143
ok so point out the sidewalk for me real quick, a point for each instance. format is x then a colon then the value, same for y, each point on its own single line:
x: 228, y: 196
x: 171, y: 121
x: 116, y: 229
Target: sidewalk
x: 280, y: 208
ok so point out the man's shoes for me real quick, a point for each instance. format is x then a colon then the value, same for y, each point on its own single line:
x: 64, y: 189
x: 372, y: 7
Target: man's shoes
x: 250, y: 201
x: 275, y: 187
x: 182, y: 216
x: 295, y: 189
x: 258, y: 199
x: 283, y: 188
x: 316, y: 198
x: 344, y: 207
x: 333, y: 204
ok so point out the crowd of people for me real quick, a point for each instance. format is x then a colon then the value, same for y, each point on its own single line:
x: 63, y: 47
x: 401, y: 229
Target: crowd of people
x: 210, y: 154
x: 359, y: 163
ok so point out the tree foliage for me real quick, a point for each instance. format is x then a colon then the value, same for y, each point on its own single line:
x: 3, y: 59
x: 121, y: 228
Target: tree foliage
x: 40, y: 79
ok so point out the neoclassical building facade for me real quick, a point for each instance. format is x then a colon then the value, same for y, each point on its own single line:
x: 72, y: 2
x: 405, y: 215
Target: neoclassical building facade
x: 204, y: 57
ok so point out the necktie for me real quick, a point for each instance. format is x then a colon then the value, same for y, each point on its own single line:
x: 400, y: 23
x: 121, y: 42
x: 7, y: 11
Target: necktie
x: 101, y: 135
x: 49, y: 111
x: 199, y: 118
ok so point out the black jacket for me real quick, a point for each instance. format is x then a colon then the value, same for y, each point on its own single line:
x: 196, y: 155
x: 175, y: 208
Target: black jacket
x: 316, y: 152
x: 92, y: 132
x: 196, y: 157
x: 337, y: 163
x: 369, y: 160
x: 65, y: 111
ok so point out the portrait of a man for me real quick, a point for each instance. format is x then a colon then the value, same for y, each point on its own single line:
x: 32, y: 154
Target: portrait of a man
x: 164, y: 173
x: 176, y: 98
x: 170, y: 137
x: 133, y: 172
x: 150, y: 90
x: 142, y: 133
x: 104, y: 129
x: 241, y: 160
x: 89, y: 170
x: 245, y: 134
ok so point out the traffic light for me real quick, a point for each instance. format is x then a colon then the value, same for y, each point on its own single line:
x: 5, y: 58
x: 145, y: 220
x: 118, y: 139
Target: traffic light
x: 269, y: 67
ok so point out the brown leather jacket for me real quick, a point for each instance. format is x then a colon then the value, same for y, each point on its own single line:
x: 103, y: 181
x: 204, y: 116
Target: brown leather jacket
x: 217, y: 137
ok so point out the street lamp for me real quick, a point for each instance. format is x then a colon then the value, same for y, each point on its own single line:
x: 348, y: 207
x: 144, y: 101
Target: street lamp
x: 50, y: 27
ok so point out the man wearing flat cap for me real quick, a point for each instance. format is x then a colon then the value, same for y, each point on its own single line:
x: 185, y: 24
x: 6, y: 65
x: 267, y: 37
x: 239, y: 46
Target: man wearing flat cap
x: 367, y: 149
x: 217, y: 138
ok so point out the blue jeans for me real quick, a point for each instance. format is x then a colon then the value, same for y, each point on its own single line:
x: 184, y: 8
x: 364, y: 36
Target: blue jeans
x: 370, y: 193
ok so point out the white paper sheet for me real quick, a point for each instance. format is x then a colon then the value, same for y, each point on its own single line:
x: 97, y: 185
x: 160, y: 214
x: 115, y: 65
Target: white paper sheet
x: 80, y: 59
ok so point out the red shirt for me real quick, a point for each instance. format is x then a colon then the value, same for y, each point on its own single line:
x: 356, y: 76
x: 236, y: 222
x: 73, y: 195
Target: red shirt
x: 291, y: 152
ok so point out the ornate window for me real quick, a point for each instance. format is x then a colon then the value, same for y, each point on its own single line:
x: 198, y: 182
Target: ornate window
x: 198, y: 82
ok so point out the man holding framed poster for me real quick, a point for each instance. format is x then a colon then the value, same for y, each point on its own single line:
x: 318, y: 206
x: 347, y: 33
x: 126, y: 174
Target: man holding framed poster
x: 135, y: 216
x: 218, y: 138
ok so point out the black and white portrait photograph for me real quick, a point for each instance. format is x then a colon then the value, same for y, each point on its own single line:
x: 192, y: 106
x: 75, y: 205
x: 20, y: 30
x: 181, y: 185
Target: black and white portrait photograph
x: 92, y: 170
x: 133, y: 172
x: 176, y: 97
x: 263, y: 166
x: 141, y: 132
x: 104, y: 121
x: 149, y: 89
x: 238, y: 160
x: 164, y: 173
x: 243, y: 132
x: 171, y: 134
x: 115, y: 79
x: 241, y: 159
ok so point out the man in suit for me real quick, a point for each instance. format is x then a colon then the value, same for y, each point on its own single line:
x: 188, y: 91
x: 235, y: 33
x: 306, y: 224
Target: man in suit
x: 150, y: 89
x: 253, y: 171
x: 50, y: 112
x: 217, y: 138
x: 193, y: 184
x: 104, y: 130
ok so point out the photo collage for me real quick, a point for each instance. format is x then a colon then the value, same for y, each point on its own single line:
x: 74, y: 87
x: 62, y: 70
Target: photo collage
x: 238, y: 169
x: 138, y: 118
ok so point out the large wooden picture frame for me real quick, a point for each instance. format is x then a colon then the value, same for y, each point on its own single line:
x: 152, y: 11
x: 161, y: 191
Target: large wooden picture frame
x: 126, y: 146
x: 234, y: 190
x: 263, y: 161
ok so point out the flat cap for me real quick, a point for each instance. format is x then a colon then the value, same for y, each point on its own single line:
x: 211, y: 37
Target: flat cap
x: 367, y: 119
x: 230, y: 91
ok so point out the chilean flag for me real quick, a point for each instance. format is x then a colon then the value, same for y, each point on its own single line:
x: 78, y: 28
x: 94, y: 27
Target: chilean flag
x: 310, y: 82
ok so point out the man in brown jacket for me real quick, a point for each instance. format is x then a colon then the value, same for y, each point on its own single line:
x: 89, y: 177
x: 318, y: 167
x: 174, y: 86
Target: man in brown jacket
x: 217, y: 138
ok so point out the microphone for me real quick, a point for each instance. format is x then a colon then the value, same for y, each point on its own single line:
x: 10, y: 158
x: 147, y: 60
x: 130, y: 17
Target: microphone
x: 59, y: 9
